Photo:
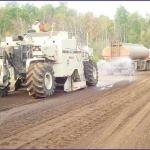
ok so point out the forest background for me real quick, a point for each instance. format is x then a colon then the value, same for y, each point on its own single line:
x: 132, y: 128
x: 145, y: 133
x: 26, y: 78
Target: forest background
x: 125, y: 27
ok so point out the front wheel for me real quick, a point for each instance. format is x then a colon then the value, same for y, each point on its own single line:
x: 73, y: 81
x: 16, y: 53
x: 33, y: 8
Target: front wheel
x: 40, y: 80
x: 91, y: 72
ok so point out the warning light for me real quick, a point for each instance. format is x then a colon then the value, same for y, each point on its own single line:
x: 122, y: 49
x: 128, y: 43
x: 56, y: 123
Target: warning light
x: 53, y: 24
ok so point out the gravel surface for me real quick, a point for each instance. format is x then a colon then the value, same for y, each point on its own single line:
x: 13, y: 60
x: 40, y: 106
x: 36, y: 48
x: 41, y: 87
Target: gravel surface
x: 113, y: 114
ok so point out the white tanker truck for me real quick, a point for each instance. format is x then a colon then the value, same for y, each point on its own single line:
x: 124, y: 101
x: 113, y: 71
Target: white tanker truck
x: 45, y: 62
x: 125, y: 56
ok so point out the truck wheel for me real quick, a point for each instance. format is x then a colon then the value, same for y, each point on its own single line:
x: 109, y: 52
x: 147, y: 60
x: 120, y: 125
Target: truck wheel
x: 40, y: 80
x: 91, y: 72
x: 4, y: 91
x: 147, y: 66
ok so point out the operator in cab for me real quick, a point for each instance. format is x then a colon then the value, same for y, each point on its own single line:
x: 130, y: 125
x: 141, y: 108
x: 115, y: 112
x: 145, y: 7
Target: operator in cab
x: 38, y: 27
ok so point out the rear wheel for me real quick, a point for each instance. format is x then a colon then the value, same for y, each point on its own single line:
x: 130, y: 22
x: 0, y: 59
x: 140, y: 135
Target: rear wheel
x: 147, y: 66
x: 91, y: 72
x: 40, y: 80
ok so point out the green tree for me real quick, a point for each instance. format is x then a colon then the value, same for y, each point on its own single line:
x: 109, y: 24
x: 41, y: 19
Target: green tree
x: 145, y: 39
x: 46, y: 13
x: 135, y: 22
x: 62, y: 15
x: 30, y: 13
x: 121, y: 24
x: 3, y: 23
x: 106, y: 28
x: 12, y: 11
x: 63, y: 9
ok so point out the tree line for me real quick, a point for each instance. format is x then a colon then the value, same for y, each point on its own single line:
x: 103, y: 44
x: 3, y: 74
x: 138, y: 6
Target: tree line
x: 125, y: 27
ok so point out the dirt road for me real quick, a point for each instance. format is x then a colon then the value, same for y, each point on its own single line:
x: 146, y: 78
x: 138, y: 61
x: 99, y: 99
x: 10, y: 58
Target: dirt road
x: 111, y: 115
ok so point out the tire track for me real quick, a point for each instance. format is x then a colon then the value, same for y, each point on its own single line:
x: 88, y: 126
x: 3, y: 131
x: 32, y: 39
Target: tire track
x: 125, y: 116
x: 50, y: 120
x: 23, y: 123
x: 61, y: 144
x: 81, y: 115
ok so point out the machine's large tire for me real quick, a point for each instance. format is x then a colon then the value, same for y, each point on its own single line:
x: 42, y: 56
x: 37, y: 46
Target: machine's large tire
x: 40, y: 80
x: 4, y: 91
x: 91, y: 72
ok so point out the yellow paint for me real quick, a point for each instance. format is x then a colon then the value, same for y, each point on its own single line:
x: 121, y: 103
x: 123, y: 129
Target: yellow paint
x: 75, y: 87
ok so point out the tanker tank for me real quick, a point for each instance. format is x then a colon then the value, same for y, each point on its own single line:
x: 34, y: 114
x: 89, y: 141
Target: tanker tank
x: 139, y: 54
x: 133, y: 51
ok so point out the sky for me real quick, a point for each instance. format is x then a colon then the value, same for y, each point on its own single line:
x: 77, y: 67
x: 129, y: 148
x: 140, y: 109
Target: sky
x: 107, y: 8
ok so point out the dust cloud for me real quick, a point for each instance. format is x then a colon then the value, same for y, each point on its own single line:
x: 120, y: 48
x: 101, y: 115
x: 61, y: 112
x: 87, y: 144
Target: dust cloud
x: 115, y: 71
x: 123, y: 66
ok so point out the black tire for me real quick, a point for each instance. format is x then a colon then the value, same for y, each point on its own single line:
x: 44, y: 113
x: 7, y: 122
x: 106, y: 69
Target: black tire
x: 18, y: 84
x: 40, y: 80
x: 147, y: 66
x: 4, y: 91
x: 91, y: 72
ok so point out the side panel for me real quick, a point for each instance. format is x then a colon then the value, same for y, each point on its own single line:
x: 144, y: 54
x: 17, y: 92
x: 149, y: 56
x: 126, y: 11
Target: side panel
x: 72, y: 58
x: 69, y: 58
x: 58, y: 70
x: 4, y: 72
x: 69, y: 64
x: 72, y: 62
x: 72, y: 86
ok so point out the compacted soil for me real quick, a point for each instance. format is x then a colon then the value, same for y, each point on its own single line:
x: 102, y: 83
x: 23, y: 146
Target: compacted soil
x: 113, y: 114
